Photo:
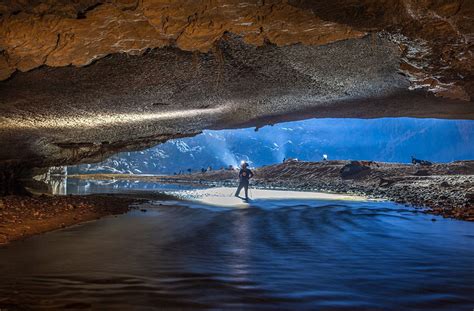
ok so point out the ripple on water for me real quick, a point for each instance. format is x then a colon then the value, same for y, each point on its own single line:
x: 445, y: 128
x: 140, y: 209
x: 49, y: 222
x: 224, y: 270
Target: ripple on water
x: 291, y: 254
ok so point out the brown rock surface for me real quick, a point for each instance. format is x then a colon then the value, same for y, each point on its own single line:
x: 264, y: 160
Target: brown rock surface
x: 435, y: 35
x: 33, y: 39
x: 21, y: 217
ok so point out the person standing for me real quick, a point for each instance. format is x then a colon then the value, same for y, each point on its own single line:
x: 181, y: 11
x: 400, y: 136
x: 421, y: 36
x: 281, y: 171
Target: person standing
x: 244, y: 177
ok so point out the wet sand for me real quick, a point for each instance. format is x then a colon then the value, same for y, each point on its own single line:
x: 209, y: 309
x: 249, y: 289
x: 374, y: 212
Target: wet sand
x: 224, y: 196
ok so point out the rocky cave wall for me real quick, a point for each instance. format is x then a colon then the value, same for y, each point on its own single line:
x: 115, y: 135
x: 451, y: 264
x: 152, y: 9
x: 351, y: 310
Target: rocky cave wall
x: 85, y: 79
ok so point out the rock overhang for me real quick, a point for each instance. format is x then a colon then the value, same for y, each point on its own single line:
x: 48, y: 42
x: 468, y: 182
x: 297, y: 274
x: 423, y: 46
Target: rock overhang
x: 104, y: 76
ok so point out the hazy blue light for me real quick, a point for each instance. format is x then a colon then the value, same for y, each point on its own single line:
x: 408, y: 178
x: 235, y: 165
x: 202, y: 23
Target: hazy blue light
x: 388, y: 139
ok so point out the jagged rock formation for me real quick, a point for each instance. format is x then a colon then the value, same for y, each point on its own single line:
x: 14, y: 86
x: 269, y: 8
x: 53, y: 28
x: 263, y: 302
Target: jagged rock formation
x: 61, y: 35
x: 150, y: 70
x: 435, y: 35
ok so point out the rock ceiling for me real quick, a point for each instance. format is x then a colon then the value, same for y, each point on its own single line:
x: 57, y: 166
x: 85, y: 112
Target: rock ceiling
x: 435, y: 36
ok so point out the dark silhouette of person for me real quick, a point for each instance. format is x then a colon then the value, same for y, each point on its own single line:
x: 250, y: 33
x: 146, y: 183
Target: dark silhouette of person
x: 244, y: 176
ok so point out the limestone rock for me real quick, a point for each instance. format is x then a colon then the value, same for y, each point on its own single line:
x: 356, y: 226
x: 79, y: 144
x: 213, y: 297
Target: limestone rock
x: 435, y: 35
x: 44, y: 36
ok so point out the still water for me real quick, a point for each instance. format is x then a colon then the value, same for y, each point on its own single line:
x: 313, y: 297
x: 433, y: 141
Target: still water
x: 61, y: 185
x: 294, y: 254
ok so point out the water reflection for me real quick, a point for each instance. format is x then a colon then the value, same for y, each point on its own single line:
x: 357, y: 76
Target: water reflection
x: 275, y: 254
x: 58, y: 185
x: 56, y: 179
x: 63, y: 185
x: 240, y: 248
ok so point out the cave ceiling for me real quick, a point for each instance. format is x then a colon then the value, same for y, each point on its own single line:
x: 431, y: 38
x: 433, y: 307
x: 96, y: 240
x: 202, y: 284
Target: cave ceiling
x: 81, y: 80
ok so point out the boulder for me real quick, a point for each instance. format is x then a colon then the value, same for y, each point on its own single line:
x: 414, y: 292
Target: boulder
x: 470, y: 197
x: 353, y: 170
x: 422, y: 173
x: 445, y: 184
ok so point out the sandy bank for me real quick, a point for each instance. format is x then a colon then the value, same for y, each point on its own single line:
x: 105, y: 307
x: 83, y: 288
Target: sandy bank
x: 224, y: 196
x: 22, y: 216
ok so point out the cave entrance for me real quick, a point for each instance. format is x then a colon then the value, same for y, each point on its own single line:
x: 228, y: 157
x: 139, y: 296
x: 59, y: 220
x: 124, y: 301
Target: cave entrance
x: 213, y: 156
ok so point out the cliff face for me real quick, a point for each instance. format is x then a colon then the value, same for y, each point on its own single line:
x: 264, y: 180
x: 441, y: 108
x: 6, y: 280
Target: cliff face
x: 85, y: 79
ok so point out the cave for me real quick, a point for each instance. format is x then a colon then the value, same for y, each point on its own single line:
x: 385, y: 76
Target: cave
x: 86, y: 80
